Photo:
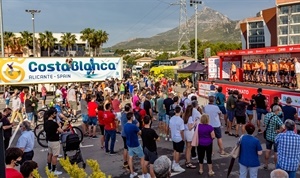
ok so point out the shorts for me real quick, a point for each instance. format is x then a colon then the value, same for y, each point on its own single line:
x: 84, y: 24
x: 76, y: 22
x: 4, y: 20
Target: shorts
x: 249, y: 112
x: 118, y: 115
x: 241, y: 119
x: 136, y: 151
x: 281, y: 72
x: 161, y: 117
x: 178, y: 147
x: 102, y: 129
x: 230, y: 115
x: 54, y: 148
x: 292, y: 74
x: 150, y: 156
x: 252, y: 72
x: 167, y: 120
x: 124, y: 143
x: 269, y: 145
x: 218, y: 132
x: 73, y: 105
x: 85, y: 118
x: 233, y: 73
x: 263, y: 72
x: 269, y: 73
x: 222, y: 109
x: 92, y: 121
x: 7, y: 101
x: 273, y: 73
x: 44, y: 98
x: 188, y: 135
x: 122, y: 92
x: 285, y: 73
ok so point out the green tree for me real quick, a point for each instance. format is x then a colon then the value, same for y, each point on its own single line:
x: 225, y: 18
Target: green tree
x: 68, y: 40
x: 99, y: 38
x: 26, y: 39
x: 163, y: 56
x: 88, y: 35
x: 9, y: 41
x: 47, y: 40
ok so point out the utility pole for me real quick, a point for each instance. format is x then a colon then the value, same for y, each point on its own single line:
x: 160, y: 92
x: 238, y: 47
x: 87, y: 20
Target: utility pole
x: 195, y: 3
x: 1, y: 30
x: 32, y: 12
x: 183, y: 29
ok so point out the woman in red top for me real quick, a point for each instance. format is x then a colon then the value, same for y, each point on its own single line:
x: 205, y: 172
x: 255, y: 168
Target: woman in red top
x: 101, y: 124
x: 13, y: 158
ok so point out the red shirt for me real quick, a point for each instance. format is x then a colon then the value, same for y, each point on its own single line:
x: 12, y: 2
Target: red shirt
x: 64, y: 92
x: 22, y: 95
x: 109, y: 120
x: 12, y: 173
x: 142, y: 112
x: 116, y: 105
x: 92, y: 106
x: 100, y: 117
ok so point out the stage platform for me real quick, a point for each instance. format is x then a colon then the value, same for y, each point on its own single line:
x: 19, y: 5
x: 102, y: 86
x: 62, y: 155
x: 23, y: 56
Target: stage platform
x: 263, y: 86
x: 247, y: 90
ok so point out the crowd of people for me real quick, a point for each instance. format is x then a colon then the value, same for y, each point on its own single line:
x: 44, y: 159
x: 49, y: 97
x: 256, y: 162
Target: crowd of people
x: 283, y: 72
x: 127, y: 108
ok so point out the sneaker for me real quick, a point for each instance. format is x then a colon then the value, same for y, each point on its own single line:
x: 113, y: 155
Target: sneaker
x: 133, y: 175
x: 57, y: 172
x: 166, y: 138
x: 94, y: 137
x: 60, y: 156
x: 178, y: 169
x: 170, y: 140
x: 112, y: 153
x: 107, y: 152
x: 146, y: 175
x: 194, y: 158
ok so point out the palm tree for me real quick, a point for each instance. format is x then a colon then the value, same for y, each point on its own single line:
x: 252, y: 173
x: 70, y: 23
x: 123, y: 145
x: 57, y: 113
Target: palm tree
x: 68, y: 40
x: 26, y: 40
x: 101, y: 37
x: 47, y: 40
x: 9, y: 41
x: 88, y: 35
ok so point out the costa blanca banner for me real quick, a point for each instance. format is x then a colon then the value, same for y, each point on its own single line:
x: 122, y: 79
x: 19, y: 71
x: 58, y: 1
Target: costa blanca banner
x: 55, y: 70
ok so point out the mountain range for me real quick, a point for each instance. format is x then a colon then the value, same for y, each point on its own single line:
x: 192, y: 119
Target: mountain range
x: 212, y: 26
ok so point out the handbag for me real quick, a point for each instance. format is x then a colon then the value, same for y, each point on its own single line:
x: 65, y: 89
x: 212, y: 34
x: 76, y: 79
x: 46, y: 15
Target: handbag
x: 236, y: 150
x: 265, y: 131
x: 195, y: 140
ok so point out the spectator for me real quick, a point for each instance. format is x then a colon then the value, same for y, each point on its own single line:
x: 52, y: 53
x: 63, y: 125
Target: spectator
x: 261, y: 106
x: 297, y: 71
x: 29, y: 107
x: 274, y: 126
x: 250, y: 107
x: 161, y: 115
x: 6, y: 97
x: 101, y: 124
x: 214, y: 114
x: 288, y: 144
x: 26, y: 141
x: 84, y: 114
x: 132, y: 141
x: 162, y: 167
x: 230, y: 107
x: 110, y: 129
x: 72, y: 99
x: 27, y: 169
x: 44, y: 95
x: 278, y: 173
x: 289, y: 112
x: 92, y: 108
x: 240, y: 114
x: 177, y: 136
x: 250, y: 150
x: 168, y: 102
x: 16, y: 107
x: 7, y: 126
x: 206, y: 135
x: 220, y: 102
x: 13, y: 157
x: 276, y: 101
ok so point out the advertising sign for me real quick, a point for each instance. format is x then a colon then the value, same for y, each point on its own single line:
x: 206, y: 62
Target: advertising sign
x: 55, y: 70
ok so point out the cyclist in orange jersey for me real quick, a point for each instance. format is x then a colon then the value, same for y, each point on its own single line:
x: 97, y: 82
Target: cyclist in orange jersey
x: 281, y: 70
x: 245, y: 70
x: 263, y: 70
x: 253, y: 70
x: 285, y: 73
x: 248, y: 66
x: 291, y: 76
x: 274, y: 71
x: 257, y: 70
x: 269, y: 70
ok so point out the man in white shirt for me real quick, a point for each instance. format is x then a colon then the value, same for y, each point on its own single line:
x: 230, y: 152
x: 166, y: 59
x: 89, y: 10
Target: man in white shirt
x: 58, y: 92
x: 192, y: 94
x: 72, y: 99
x: 214, y: 120
x: 297, y: 71
x: 177, y: 134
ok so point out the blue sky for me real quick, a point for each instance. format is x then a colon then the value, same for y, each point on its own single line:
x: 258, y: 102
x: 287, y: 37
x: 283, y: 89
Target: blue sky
x: 122, y: 19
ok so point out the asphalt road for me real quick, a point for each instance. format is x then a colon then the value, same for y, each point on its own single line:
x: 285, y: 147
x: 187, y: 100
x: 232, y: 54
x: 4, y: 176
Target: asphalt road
x: 112, y: 165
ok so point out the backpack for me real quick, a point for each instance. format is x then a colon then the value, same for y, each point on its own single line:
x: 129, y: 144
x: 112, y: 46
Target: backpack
x: 139, y: 118
x: 172, y: 111
x: 182, y: 104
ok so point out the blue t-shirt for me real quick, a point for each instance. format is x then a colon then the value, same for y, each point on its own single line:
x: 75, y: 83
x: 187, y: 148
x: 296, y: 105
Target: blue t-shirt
x: 124, y: 121
x: 289, y: 112
x: 248, y: 151
x: 131, y: 131
x: 131, y: 87
x: 58, y: 109
x: 221, y: 98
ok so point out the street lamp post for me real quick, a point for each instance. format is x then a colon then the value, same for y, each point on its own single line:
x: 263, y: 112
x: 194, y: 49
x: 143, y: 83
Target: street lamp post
x: 195, y: 3
x: 32, y: 12
x: 1, y: 29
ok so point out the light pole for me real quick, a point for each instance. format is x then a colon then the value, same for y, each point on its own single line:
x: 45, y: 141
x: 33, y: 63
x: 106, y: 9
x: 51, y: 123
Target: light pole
x: 32, y: 12
x: 195, y: 3
x: 1, y: 29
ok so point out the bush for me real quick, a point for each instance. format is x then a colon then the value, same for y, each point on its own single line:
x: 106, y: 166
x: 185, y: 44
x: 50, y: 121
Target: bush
x: 183, y: 76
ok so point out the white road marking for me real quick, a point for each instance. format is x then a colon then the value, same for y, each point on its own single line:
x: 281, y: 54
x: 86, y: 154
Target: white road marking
x: 14, y: 134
